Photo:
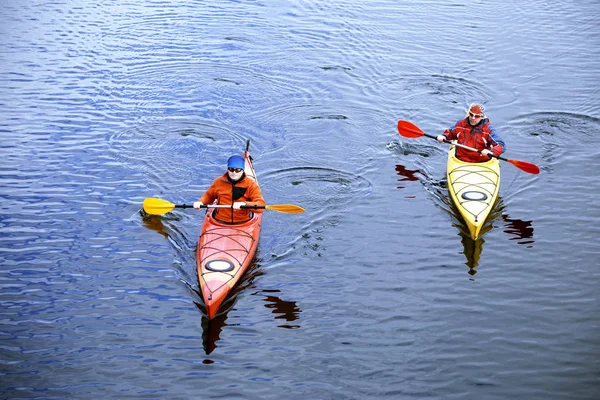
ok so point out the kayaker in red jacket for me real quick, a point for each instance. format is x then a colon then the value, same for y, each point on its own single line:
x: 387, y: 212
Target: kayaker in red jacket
x: 476, y: 131
x: 236, y: 189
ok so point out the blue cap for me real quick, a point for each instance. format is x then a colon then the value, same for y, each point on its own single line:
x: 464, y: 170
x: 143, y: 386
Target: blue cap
x: 235, y: 162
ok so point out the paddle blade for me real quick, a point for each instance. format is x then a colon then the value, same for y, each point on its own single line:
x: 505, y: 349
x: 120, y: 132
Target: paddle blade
x: 286, y: 208
x: 157, y: 206
x: 409, y: 130
x: 525, y: 166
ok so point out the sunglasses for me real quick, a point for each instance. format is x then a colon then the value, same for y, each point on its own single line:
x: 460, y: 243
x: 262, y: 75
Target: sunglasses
x: 475, y: 115
x: 235, y: 169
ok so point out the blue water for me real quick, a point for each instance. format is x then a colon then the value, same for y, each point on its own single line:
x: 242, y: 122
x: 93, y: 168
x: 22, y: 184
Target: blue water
x: 375, y: 292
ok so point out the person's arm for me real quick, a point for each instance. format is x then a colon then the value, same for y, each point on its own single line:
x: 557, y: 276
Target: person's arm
x: 210, y: 195
x: 449, y: 134
x: 255, y: 198
x: 498, y: 147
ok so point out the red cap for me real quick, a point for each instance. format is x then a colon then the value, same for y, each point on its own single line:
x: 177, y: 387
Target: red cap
x: 477, y: 110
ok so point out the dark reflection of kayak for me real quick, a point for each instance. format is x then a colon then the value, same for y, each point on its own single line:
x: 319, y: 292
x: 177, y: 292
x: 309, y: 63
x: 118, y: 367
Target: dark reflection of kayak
x: 211, y: 328
x: 281, y: 309
x: 472, y: 248
x: 522, y: 231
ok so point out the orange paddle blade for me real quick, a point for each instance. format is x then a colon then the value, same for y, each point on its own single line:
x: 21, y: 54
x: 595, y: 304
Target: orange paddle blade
x: 409, y: 130
x: 525, y: 166
x: 286, y: 208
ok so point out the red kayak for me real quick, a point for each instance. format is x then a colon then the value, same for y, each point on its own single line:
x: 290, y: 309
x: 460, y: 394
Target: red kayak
x: 225, y: 251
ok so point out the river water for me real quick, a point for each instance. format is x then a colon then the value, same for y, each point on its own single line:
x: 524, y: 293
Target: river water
x: 375, y: 292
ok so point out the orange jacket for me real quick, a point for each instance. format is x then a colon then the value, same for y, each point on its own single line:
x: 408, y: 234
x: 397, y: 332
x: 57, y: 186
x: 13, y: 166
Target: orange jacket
x: 225, y: 191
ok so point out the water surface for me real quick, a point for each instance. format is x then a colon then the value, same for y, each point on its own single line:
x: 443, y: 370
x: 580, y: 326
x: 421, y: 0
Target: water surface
x: 375, y: 291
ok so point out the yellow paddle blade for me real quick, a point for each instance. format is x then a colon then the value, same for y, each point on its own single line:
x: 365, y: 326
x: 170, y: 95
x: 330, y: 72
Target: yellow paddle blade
x: 286, y: 208
x: 157, y: 206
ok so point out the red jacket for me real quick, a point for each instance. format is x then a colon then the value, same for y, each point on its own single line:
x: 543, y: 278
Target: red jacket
x: 481, y: 136
x: 224, y: 191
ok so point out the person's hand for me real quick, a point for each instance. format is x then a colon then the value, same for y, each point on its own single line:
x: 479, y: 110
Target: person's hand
x: 238, y: 205
x: 440, y: 138
x: 198, y: 205
x: 486, y: 152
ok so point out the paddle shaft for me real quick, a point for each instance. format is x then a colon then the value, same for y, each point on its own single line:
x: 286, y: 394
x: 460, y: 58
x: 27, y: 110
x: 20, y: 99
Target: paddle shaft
x: 158, y: 206
x: 465, y: 147
x: 218, y: 206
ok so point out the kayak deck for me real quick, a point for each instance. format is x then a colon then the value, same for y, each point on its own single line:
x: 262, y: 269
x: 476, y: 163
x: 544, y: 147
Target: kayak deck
x: 474, y: 189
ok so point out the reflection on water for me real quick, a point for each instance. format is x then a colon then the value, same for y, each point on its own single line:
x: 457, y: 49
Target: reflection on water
x: 472, y: 249
x: 154, y: 223
x: 165, y: 227
x: 282, y: 309
x: 407, y: 174
x: 519, y: 228
x: 211, y: 329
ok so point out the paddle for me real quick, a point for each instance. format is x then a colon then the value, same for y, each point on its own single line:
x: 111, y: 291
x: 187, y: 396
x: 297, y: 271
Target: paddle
x: 410, y: 130
x: 159, y: 206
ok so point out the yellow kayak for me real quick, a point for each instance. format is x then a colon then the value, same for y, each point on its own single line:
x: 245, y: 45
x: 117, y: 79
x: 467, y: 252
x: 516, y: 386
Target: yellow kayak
x: 473, y: 188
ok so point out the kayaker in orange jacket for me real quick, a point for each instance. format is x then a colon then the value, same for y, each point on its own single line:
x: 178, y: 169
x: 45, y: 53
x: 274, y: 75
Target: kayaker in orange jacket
x: 476, y: 131
x: 236, y: 189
